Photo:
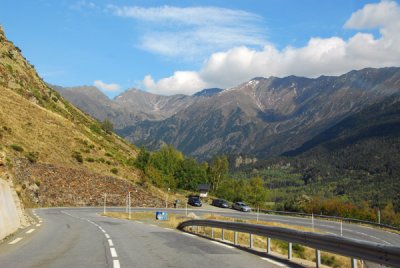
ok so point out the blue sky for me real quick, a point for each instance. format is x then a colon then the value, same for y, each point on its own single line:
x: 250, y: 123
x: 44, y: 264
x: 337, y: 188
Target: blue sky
x: 170, y: 47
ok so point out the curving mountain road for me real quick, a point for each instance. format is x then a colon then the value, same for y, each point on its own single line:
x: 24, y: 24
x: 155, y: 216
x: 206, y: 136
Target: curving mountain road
x: 82, y: 238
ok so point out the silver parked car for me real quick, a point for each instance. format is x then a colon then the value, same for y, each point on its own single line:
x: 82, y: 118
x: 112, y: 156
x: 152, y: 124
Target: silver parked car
x: 241, y: 206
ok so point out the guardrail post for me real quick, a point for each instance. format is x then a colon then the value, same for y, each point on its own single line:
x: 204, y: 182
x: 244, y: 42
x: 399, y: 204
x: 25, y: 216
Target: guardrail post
x: 290, y: 251
x: 353, y: 263
x: 251, y: 240
x: 222, y: 234
x: 212, y: 233
x: 268, y: 245
x: 235, y: 239
x: 317, y: 258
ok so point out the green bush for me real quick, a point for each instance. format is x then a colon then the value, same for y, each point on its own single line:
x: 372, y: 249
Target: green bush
x: 17, y: 148
x: 114, y: 170
x: 78, y: 157
x: 32, y: 156
x: 90, y: 159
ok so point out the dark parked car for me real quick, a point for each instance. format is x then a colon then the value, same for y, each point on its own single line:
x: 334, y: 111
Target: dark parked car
x: 195, y: 201
x: 241, y: 206
x: 220, y: 203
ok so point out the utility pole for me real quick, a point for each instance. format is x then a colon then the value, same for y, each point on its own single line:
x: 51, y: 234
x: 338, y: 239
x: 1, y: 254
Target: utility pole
x: 105, y: 201
x: 341, y: 228
x: 166, y: 199
x: 258, y: 211
x: 379, y: 216
x: 312, y: 220
x: 129, y: 204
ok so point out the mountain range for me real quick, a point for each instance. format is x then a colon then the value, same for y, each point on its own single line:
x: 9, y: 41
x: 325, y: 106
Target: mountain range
x: 263, y: 117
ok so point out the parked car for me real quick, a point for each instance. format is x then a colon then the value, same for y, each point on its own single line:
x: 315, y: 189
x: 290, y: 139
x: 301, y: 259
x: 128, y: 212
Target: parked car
x: 241, y: 206
x: 222, y: 203
x: 195, y: 201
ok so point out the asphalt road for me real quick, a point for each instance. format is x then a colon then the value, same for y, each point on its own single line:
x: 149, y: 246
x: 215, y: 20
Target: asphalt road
x: 68, y: 237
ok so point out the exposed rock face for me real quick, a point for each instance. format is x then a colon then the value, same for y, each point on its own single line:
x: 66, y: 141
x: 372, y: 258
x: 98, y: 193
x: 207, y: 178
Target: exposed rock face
x: 51, y: 185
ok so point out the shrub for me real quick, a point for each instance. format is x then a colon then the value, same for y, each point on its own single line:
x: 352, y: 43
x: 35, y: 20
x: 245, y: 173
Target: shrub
x: 78, y: 157
x: 32, y: 156
x: 90, y: 159
x: 114, y: 170
x: 108, y: 154
x: 17, y: 148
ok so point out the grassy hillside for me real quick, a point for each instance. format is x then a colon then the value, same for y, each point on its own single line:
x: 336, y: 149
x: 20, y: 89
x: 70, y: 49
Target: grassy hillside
x: 39, y: 129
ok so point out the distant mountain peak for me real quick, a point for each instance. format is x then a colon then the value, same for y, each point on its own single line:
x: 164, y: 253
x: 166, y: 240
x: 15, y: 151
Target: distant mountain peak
x: 208, y: 92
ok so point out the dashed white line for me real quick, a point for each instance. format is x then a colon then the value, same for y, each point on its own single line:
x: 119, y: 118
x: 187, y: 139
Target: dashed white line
x: 110, y: 243
x: 15, y: 241
x: 116, y: 264
x: 274, y: 262
x: 113, y: 253
x: 30, y: 231
x: 103, y: 230
x: 221, y: 244
x: 107, y: 236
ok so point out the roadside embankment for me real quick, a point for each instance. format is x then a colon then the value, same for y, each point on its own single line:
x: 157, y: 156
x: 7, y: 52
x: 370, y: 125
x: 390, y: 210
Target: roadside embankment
x: 11, y: 216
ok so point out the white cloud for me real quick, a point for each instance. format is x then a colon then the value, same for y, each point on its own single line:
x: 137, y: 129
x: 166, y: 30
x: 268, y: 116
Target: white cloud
x: 180, y: 83
x: 106, y: 87
x: 321, y: 56
x: 83, y: 5
x: 193, y: 31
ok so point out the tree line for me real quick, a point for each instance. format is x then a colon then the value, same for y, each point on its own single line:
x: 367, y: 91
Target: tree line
x: 169, y: 168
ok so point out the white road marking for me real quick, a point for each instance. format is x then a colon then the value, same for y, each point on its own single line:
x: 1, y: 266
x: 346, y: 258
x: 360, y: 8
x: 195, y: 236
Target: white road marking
x: 153, y: 225
x: 103, y: 231
x: 113, y: 253
x: 110, y: 243
x: 138, y: 222
x: 192, y: 235
x: 274, y: 262
x: 107, y: 236
x: 15, y: 241
x: 221, y: 244
x: 116, y: 264
x: 37, y: 225
x: 169, y: 229
x: 30, y: 231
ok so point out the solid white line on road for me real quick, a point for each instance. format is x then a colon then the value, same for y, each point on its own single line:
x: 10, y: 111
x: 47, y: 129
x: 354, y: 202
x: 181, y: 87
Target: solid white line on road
x: 30, y: 231
x: 37, y: 225
x: 153, y: 225
x: 192, y: 235
x: 116, y: 264
x: 15, y: 241
x: 274, y: 262
x: 169, y: 229
x: 221, y: 244
x: 113, y: 253
x: 110, y: 243
x: 138, y: 222
x: 107, y: 236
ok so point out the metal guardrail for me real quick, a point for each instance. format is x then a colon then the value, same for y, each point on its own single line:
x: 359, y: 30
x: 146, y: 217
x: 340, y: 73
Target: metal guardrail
x: 331, y: 217
x: 355, y: 249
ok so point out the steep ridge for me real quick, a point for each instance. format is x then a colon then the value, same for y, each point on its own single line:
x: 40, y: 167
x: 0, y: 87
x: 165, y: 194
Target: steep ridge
x: 266, y: 116
x: 52, y: 148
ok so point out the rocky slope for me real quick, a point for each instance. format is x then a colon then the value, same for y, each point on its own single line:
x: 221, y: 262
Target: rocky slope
x: 62, y: 149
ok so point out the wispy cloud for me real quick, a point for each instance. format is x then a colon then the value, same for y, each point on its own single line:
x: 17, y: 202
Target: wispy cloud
x: 106, y: 87
x: 83, y: 5
x: 321, y: 56
x: 193, y: 31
